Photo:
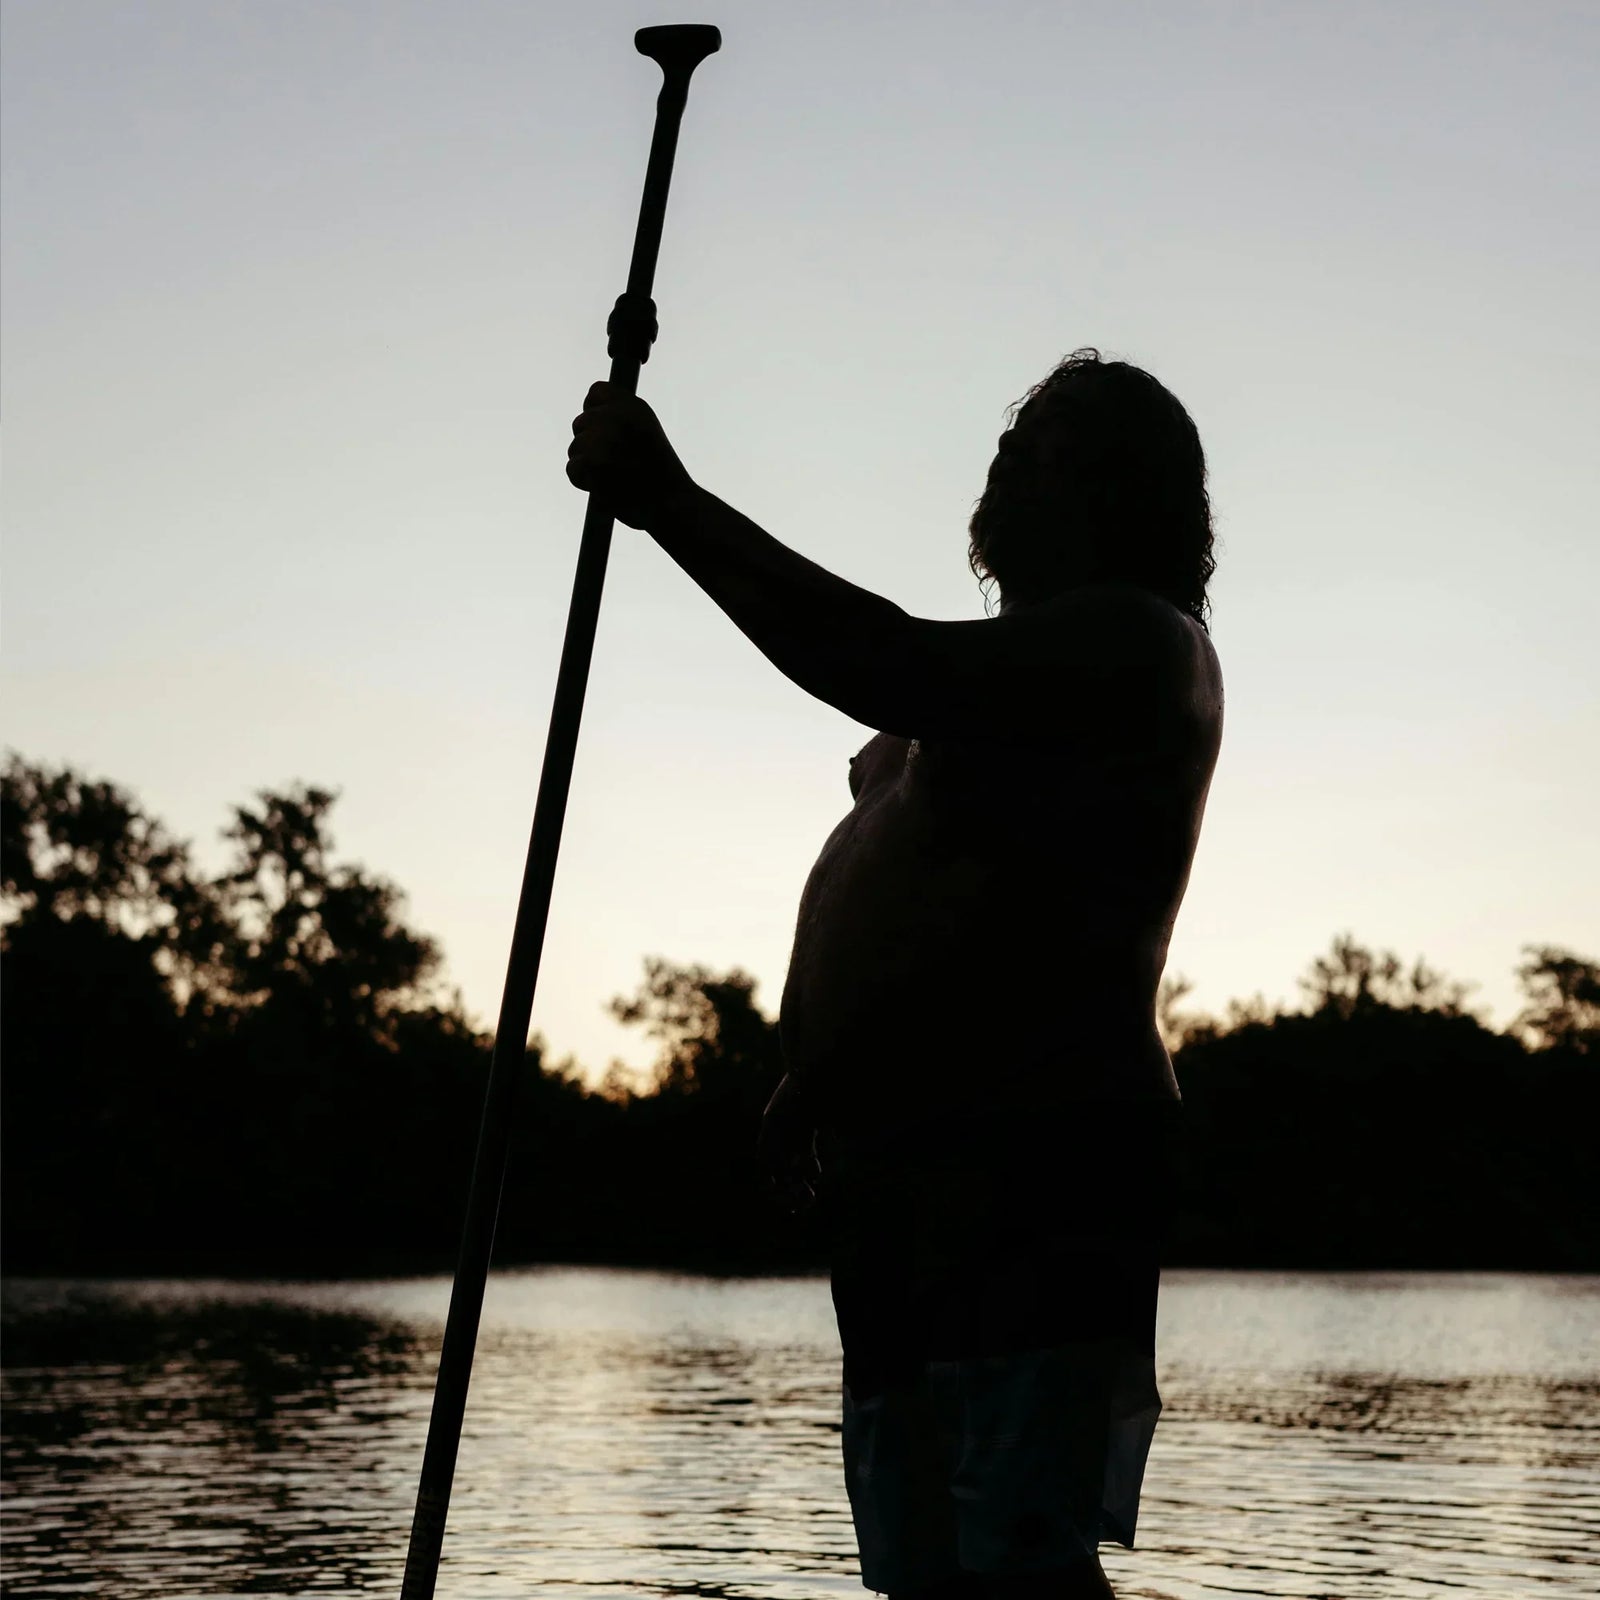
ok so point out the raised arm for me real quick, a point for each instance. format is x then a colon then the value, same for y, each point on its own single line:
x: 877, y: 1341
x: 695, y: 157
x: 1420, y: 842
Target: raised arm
x: 1099, y: 651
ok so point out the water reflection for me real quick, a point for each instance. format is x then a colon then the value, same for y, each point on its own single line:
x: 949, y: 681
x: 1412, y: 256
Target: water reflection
x: 668, y: 1436
x: 150, y: 1447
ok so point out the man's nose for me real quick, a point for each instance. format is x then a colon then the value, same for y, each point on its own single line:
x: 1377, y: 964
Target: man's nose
x: 1008, y: 453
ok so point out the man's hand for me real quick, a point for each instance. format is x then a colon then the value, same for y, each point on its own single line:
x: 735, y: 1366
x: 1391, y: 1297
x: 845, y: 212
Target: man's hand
x: 620, y: 454
x: 788, y: 1148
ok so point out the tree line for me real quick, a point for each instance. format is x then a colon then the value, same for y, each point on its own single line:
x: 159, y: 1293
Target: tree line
x: 262, y: 1071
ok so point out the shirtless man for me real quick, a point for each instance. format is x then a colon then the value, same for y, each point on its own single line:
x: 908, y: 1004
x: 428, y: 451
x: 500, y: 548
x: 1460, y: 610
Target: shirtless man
x: 974, y: 1073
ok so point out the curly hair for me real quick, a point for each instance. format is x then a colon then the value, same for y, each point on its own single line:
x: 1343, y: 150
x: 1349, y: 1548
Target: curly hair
x: 1128, y: 491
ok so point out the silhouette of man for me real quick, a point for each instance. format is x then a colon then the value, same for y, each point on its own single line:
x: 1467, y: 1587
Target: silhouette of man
x: 976, y: 1087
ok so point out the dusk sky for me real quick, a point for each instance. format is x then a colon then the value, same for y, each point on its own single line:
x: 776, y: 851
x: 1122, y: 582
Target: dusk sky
x: 299, y: 300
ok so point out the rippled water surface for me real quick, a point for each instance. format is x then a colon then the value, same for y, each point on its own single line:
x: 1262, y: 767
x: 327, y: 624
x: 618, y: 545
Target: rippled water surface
x: 645, y: 1434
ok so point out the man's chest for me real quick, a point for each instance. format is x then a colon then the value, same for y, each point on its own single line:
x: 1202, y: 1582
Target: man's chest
x: 1031, y: 798
x: 984, y: 830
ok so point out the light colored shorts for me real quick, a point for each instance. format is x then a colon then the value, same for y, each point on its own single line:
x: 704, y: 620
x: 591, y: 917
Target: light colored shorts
x: 999, y: 1465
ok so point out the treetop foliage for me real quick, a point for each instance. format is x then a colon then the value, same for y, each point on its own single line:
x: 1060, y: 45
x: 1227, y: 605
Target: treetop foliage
x: 261, y: 1069
x: 1563, y: 994
x: 1351, y: 981
x: 279, y: 927
x: 711, y: 1033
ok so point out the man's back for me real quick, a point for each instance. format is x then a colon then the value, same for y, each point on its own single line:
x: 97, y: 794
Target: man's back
x: 986, y: 928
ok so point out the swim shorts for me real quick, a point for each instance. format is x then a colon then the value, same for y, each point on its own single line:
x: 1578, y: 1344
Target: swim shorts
x: 995, y: 1290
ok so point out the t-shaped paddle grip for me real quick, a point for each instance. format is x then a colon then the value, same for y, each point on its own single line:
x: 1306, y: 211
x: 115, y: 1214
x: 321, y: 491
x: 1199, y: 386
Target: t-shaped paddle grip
x: 679, y: 48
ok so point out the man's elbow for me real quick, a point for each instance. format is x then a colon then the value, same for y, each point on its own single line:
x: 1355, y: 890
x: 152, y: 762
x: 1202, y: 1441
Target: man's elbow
x: 875, y: 675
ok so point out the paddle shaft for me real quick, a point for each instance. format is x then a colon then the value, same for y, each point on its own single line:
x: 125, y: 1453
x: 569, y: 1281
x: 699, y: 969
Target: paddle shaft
x: 631, y: 328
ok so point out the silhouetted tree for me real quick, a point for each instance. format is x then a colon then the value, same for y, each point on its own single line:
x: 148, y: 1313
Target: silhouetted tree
x: 101, y: 911
x: 1353, y: 979
x: 714, y: 1039
x: 322, y: 944
x: 339, y: 1151
x: 1178, y: 1028
x: 1563, y: 994
x: 692, y: 1137
x: 1386, y: 1126
x: 260, y: 1073
x: 202, y: 1072
x: 73, y: 849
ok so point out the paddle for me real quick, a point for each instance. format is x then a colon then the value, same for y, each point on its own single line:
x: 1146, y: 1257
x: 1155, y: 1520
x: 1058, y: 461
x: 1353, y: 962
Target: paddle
x: 631, y: 329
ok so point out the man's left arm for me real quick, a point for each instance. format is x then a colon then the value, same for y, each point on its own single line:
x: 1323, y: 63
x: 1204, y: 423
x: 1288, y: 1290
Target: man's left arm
x: 836, y: 640
x: 1100, y: 651
x: 1090, y: 652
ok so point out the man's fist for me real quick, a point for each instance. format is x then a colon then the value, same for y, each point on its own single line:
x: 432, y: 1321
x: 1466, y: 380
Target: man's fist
x: 620, y: 454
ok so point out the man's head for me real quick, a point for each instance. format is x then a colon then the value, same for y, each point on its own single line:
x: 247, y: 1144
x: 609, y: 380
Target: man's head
x: 1100, y: 476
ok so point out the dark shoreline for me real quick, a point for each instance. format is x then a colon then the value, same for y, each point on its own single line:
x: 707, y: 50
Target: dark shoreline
x: 713, y: 1267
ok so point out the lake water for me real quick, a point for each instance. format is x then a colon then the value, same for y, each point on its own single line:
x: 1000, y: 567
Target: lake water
x: 642, y: 1433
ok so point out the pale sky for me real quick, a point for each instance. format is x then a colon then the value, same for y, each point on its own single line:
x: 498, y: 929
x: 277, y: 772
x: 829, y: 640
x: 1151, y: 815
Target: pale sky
x: 299, y: 300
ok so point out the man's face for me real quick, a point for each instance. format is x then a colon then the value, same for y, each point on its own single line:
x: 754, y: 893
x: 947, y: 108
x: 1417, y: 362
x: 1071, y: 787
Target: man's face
x: 1025, y: 504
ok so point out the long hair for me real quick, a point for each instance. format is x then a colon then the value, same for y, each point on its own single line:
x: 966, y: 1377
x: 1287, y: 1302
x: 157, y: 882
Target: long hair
x: 1127, y: 502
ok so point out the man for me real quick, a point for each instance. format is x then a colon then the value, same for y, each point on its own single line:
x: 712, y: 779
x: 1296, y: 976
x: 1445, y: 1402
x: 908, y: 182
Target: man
x: 969, y: 1022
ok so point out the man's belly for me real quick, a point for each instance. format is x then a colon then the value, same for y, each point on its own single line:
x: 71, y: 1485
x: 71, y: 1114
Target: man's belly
x: 942, y: 980
x: 954, y: 1039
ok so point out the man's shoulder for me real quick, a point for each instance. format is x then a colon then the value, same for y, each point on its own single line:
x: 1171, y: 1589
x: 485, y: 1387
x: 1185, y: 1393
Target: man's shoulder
x: 1201, y: 668
x: 1051, y: 667
x: 1132, y: 606
x: 1109, y: 622
x: 1140, y: 646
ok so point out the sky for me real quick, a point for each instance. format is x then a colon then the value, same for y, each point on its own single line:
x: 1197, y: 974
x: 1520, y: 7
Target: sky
x: 298, y: 301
